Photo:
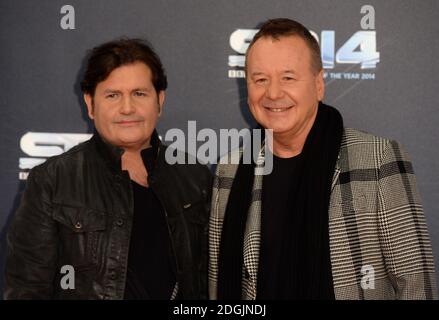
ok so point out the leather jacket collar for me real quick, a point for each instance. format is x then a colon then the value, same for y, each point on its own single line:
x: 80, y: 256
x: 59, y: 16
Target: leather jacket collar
x: 112, y: 154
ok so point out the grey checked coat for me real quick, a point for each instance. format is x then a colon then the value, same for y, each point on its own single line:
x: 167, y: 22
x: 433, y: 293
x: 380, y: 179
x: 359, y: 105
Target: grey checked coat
x: 377, y: 228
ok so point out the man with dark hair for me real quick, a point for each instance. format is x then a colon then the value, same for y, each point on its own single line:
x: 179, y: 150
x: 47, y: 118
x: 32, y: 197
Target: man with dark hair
x: 112, y: 210
x: 339, y: 216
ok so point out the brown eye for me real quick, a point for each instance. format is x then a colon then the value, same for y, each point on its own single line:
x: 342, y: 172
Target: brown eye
x: 140, y: 94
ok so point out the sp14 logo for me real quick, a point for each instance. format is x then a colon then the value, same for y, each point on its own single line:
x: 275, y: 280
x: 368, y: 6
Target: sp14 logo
x: 360, y: 48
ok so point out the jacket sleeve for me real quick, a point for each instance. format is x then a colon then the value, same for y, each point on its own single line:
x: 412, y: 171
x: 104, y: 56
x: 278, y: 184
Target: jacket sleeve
x: 406, y: 244
x: 32, y: 243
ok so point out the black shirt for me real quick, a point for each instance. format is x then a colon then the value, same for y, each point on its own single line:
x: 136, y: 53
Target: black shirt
x: 276, y: 201
x: 150, y: 272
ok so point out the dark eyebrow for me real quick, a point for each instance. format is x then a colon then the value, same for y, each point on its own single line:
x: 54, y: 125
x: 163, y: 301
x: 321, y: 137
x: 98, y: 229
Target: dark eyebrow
x: 106, y: 91
x: 141, y: 89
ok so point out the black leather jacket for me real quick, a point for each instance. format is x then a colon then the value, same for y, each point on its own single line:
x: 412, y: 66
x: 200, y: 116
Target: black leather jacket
x: 77, y: 210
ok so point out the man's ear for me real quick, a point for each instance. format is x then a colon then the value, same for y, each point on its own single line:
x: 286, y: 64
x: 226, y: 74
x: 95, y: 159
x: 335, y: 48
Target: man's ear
x: 161, y: 98
x: 320, y: 85
x: 89, y: 102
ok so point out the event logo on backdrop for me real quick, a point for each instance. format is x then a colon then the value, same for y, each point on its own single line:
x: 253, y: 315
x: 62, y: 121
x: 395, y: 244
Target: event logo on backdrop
x: 38, y: 146
x: 355, y: 59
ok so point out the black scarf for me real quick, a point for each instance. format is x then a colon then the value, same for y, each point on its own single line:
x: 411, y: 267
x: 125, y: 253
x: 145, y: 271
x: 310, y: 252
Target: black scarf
x: 309, y: 208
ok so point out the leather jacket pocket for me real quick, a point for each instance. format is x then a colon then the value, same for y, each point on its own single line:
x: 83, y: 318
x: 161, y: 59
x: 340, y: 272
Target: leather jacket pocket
x: 81, y: 230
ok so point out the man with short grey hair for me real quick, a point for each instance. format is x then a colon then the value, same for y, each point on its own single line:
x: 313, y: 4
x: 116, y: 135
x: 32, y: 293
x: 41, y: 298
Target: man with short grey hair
x: 339, y: 217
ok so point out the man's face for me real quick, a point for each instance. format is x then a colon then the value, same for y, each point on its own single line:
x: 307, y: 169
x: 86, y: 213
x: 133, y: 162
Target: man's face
x: 126, y: 106
x: 283, y: 90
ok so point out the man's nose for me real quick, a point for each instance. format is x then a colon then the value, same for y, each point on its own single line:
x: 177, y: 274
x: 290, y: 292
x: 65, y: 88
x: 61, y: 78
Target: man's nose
x: 127, y: 106
x: 274, y: 90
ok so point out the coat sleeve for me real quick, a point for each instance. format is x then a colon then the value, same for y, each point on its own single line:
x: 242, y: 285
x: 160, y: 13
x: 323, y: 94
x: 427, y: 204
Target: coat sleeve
x: 406, y: 244
x: 32, y: 243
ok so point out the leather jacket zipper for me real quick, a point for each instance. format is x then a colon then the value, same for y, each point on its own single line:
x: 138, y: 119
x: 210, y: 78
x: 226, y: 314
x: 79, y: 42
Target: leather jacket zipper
x: 174, y: 255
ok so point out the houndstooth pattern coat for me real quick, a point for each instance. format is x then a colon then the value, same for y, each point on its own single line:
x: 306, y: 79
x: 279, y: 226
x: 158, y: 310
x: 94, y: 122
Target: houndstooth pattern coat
x: 379, y: 242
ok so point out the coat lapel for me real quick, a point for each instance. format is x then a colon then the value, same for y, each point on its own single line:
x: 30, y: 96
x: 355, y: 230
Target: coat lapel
x: 336, y: 173
x: 252, y: 234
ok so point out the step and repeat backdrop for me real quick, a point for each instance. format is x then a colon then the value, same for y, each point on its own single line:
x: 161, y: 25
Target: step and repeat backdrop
x: 380, y: 60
